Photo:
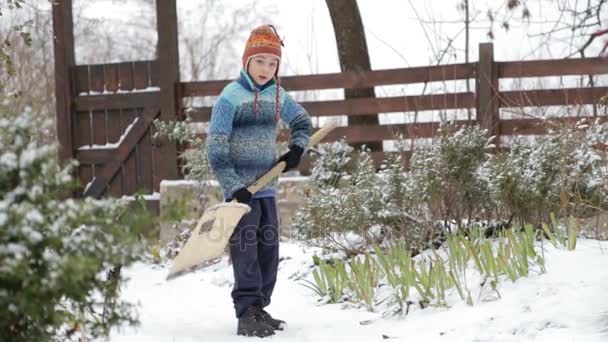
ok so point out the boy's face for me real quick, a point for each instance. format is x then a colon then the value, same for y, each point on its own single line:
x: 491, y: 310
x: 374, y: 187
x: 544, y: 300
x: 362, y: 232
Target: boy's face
x: 262, y: 68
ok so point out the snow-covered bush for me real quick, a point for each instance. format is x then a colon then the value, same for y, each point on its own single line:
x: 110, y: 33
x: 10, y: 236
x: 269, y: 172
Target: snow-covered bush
x: 453, y: 181
x: 340, y: 207
x: 563, y: 172
x: 445, y: 176
x: 55, y: 251
x: 331, y: 164
x: 350, y: 205
x: 403, y: 218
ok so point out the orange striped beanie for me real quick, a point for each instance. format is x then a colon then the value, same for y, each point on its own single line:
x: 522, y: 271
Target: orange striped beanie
x: 263, y: 39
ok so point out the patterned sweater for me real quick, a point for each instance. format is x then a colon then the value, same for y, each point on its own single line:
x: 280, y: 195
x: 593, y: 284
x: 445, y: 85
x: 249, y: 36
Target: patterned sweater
x: 242, y: 143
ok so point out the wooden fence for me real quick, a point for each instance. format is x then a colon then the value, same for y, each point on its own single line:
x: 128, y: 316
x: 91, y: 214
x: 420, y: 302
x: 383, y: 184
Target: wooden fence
x: 485, y: 102
x: 105, y: 111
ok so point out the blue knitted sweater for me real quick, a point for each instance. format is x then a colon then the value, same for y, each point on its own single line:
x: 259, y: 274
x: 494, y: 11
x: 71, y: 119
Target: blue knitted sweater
x: 242, y: 144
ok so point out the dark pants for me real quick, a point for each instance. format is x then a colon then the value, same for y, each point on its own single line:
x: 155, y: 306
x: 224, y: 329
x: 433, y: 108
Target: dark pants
x: 254, y: 249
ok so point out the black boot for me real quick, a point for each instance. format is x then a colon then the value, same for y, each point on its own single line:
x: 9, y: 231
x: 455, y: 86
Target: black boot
x: 250, y: 324
x: 265, y: 317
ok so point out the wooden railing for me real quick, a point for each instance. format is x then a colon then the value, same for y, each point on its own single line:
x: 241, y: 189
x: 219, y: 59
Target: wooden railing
x: 486, y: 100
x: 108, y: 98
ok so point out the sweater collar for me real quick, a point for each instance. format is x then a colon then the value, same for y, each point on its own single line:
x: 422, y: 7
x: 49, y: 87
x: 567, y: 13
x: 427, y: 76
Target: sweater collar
x: 246, y: 82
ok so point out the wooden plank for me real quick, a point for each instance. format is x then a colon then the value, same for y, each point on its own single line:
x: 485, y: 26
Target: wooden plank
x: 560, y: 67
x: 103, y: 177
x: 390, y: 104
x: 115, y: 187
x: 63, y: 47
x: 552, y: 97
x: 125, y: 76
x: 111, y: 76
x: 528, y: 98
x: 96, y: 78
x: 154, y: 74
x: 168, y: 62
x: 114, y: 125
x: 129, y: 166
x: 145, y: 167
x: 349, y: 79
x: 95, y: 156
x: 553, y: 67
x: 205, y: 88
x: 200, y: 114
x: 83, y: 136
x: 85, y: 175
x: 99, y: 133
x: 373, y: 105
x: 117, y: 101
x: 157, y: 159
x: 115, y: 130
x: 141, y: 79
x: 360, y: 134
x: 541, y: 126
x: 81, y: 79
x: 487, y: 90
x: 99, y: 127
x: 168, y: 56
x: 114, y: 76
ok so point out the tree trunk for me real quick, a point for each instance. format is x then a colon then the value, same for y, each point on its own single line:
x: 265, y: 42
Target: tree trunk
x: 353, y: 54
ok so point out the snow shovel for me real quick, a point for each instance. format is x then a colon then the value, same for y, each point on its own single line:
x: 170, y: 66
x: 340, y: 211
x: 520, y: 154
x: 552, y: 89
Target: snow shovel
x: 214, y: 229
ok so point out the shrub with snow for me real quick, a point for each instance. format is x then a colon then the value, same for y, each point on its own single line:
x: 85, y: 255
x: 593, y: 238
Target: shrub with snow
x: 445, y: 177
x: 563, y: 172
x: 349, y: 205
x: 340, y: 206
x: 55, y: 251
x: 332, y: 163
x: 453, y: 181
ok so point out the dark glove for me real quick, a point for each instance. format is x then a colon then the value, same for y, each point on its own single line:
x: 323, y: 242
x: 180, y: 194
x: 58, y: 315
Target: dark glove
x: 242, y: 195
x: 292, y: 158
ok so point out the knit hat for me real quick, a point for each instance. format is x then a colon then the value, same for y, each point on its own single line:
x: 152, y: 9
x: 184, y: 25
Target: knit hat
x: 262, y: 40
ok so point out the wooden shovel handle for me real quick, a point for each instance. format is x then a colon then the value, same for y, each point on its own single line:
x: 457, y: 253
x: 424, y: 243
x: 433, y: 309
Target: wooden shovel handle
x: 277, y: 169
x: 267, y: 177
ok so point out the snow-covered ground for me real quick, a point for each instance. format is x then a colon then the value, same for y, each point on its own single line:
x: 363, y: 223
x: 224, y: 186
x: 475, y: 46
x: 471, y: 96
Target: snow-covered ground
x: 568, y: 303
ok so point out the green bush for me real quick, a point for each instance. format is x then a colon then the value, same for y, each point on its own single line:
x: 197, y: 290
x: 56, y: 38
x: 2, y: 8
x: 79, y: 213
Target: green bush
x: 561, y: 172
x: 349, y: 205
x: 331, y: 163
x: 453, y: 181
x: 446, y: 177
x: 340, y: 204
x: 55, y: 251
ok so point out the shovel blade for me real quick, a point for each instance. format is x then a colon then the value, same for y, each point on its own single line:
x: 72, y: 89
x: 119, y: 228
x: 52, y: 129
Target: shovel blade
x: 209, y: 238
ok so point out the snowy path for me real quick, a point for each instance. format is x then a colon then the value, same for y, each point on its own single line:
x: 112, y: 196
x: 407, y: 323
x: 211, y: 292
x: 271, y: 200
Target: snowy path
x: 568, y: 303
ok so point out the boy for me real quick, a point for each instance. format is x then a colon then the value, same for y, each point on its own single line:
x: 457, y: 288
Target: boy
x: 241, y: 148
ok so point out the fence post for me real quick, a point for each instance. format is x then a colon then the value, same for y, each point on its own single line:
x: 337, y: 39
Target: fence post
x: 165, y: 158
x: 63, y: 43
x: 487, y: 91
